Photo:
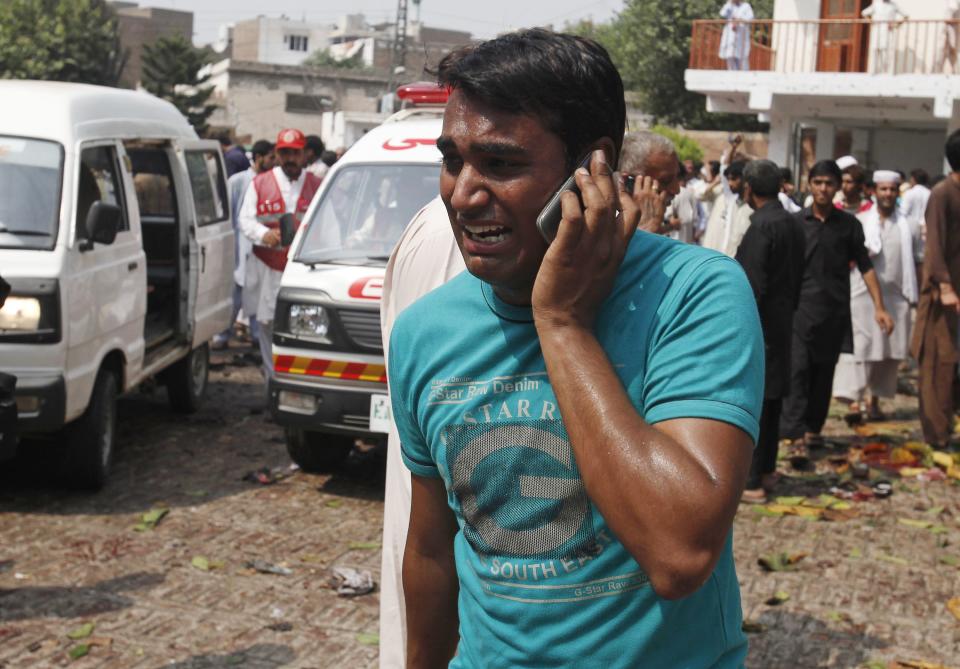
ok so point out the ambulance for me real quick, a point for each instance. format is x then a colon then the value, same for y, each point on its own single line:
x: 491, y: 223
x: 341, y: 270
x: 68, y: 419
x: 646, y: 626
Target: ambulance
x: 329, y: 386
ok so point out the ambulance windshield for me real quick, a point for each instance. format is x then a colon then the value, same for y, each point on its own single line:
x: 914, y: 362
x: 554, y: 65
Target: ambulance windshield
x: 30, y: 176
x: 365, y: 210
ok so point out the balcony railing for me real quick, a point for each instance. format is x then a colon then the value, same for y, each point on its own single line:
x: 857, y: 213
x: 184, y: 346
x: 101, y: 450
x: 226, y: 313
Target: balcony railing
x: 837, y: 45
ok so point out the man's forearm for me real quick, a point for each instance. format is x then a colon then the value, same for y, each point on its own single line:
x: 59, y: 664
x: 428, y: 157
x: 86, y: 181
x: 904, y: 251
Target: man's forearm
x: 430, y: 591
x: 665, y: 504
x: 873, y: 287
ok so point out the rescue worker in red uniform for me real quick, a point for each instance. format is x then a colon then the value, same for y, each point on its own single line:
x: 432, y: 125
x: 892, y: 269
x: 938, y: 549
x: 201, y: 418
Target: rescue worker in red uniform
x: 286, y: 189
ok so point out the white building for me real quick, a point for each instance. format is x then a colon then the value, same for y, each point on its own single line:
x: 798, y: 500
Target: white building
x: 831, y: 82
x: 278, y: 41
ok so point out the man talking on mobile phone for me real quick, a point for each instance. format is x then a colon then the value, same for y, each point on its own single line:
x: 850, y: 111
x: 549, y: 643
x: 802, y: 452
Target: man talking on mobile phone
x: 578, y: 418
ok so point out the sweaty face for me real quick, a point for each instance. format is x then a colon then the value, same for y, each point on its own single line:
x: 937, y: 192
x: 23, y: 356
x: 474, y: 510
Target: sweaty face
x: 291, y: 161
x: 887, y: 196
x: 823, y: 190
x: 499, y: 170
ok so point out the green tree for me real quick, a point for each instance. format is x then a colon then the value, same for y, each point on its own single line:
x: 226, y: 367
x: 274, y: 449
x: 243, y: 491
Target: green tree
x: 60, y: 40
x: 650, y: 43
x: 325, y: 59
x: 687, y: 147
x: 171, y: 67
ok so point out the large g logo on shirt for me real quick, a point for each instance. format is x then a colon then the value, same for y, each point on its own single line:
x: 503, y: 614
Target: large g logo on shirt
x: 519, y: 489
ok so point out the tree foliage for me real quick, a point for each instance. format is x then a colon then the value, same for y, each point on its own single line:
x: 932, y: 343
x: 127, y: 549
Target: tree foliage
x: 650, y: 43
x: 326, y: 59
x: 171, y: 68
x: 60, y: 40
x: 687, y: 147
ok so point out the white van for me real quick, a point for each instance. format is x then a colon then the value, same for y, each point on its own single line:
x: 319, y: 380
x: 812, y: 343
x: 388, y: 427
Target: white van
x: 329, y: 385
x: 115, y: 236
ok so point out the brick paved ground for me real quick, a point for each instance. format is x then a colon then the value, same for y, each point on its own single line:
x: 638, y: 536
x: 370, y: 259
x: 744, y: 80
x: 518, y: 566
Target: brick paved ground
x: 872, y: 589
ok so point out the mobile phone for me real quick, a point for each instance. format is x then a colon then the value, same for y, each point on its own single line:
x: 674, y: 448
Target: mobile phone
x: 548, y: 222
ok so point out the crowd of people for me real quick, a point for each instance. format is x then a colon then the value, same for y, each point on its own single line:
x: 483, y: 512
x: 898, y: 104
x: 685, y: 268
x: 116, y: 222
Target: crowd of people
x: 837, y: 279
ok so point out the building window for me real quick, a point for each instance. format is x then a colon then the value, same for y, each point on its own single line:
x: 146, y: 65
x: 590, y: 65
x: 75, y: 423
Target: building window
x: 297, y: 42
x: 297, y: 103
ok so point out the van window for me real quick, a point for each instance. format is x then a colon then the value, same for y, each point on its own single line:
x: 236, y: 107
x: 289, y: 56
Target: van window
x: 99, y: 180
x: 31, y: 171
x: 365, y: 210
x: 209, y: 186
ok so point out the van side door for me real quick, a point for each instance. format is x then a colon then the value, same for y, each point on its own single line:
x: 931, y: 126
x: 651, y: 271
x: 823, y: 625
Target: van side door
x: 105, y: 295
x: 212, y: 235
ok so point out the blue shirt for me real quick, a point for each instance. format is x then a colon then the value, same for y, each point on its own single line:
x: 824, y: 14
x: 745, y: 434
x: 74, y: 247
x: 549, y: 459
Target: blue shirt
x: 543, y: 580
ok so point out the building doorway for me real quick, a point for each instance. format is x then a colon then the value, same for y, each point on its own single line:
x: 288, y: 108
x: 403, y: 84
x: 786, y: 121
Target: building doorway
x: 844, y: 44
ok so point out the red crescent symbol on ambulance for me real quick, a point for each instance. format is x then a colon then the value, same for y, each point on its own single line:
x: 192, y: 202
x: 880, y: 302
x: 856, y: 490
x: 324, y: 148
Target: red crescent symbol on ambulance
x: 368, y: 288
x: 405, y: 144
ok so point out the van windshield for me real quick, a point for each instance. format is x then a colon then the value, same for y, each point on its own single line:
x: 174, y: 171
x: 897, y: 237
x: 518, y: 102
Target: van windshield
x: 365, y: 210
x: 30, y: 177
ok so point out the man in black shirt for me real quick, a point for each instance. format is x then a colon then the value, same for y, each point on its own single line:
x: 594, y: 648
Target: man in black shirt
x: 821, y: 325
x: 771, y: 254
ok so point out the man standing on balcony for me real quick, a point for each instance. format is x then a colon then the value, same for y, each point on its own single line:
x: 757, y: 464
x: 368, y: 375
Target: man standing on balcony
x: 735, y: 41
x: 889, y: 17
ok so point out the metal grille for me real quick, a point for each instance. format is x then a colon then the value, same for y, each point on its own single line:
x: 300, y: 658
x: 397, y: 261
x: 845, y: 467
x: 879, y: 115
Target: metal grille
x: 362, y: 327
x: 354, y: 420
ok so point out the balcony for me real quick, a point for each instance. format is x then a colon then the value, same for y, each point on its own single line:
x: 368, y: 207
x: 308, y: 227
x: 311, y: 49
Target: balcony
x: 839, y: 46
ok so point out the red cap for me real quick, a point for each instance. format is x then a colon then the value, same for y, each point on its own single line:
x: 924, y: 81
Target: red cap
x: 291, y: 138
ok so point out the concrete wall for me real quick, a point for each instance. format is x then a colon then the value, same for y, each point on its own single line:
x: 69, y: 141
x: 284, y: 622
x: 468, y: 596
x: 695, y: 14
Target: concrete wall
x: 252, y: 97
x: 145, y: 25
x: 264, y: 40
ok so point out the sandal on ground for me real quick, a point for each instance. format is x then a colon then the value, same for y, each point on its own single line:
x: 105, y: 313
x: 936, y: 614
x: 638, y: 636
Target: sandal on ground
x: 757, y: 496
x: 798, y: 454
x: 770, y: 481
x: 814, y: 441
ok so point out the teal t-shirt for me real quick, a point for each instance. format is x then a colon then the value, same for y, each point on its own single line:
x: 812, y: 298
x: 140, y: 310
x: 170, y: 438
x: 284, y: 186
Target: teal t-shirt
x: 543, y: 580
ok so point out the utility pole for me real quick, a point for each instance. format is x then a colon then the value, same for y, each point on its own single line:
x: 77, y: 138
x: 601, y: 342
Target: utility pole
x: 400, y: 35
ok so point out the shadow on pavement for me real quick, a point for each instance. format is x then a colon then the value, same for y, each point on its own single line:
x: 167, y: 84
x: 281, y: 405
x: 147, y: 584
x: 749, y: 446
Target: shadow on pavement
x: 73, y: 602
x: 260, y: 656
x: 800, y: 641
x: 178, y: 460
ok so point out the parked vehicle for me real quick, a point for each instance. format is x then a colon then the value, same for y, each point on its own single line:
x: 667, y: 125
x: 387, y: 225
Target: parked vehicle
x: 330, y: 385
x: 115, y: 237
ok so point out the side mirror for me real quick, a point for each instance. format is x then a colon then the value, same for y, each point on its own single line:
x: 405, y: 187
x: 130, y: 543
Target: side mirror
x: 103, y: 223
x: 288, y: 229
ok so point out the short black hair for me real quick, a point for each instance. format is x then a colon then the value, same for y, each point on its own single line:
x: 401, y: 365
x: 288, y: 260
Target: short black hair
x: 826, y: 168
x: 920, y: 176
x: 314, y: 143
x: 261, y: 147
x: 569, y: 83
x: 786, y: 174
x: 856, y: 173
x: 735, y: 169
x: 763, y: 176
x: 714, y: 167
x: 328, y: 158
x: 952, y: 149
x: 224, y: 138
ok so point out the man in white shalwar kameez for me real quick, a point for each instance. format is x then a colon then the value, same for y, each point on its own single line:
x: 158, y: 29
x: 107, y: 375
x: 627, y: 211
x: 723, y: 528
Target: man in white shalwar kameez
x: 736, y: 37
x: 427, y: 256
x: 876, y: 356
x: 886, y: 15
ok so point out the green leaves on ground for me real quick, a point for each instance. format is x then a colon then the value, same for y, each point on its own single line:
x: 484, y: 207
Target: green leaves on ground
x: 151, y: 519
x: 368, y: 638
x: 781, y: 561
x: 81, y: 632
x: 364, y: 545
x: 205, y: 564
x: 79, y: 651
x: 778, y: 598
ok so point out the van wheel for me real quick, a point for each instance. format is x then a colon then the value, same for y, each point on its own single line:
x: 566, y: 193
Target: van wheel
x: 317, y: 452
x: 92, y: 438
x: 186, y: 380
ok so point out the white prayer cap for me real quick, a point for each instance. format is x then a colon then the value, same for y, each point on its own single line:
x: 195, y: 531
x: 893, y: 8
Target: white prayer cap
x: 845, y: 162
x: 886, y: 177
